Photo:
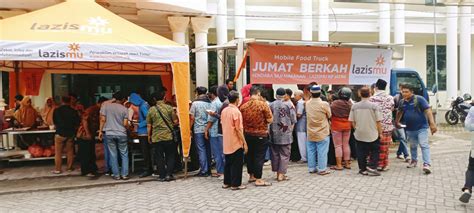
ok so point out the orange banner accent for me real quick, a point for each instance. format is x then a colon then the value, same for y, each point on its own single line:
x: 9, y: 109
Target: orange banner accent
x: 30, y: 81
x: 270, y: 64
x: 181, y: 78
x: 167, y: 82
x: 241, y: 66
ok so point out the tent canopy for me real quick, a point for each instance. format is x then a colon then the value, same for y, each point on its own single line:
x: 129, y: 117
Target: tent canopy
x: 82, y: 30
x: 80, y: 36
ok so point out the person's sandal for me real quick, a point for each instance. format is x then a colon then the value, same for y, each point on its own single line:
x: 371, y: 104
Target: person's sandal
x: 225, y: 186
x: 252, y: 180
x: 56, y: 172
x: 264, y: 184
x: 327, y: 172
x: 70, y: 170
x: 238, y: 188
x: 284, y: 178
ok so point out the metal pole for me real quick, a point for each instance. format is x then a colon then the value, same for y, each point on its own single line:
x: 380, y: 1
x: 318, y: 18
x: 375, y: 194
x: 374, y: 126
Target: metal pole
x: 16, y: 68
x: 435, y: 56
x: 186, y: 160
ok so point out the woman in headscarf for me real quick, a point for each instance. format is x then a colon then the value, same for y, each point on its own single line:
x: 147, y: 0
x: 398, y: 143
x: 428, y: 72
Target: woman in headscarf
x: 47, y: 112
x: 284, y: 120
x: 26, y: 115
x: 341, y: 128
x: 245, y: 93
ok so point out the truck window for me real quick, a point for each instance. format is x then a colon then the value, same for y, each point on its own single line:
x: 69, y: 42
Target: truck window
x: 412, y: 79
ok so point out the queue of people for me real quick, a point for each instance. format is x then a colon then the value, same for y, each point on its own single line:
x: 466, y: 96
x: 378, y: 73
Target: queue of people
x: 223, y: 136
x: 111, y: 122
x: 255, y: 126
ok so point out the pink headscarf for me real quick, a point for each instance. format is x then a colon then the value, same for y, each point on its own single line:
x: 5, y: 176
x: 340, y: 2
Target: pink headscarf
x: 245, y: 93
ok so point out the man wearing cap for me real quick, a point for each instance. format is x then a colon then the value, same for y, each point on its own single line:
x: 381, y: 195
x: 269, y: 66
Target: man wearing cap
x: 282, y: 132
x: 318, y: 113
x: 386, y: 105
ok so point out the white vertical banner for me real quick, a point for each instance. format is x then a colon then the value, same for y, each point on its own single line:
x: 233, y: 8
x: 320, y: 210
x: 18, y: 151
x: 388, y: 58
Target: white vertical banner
x: 369, y: 65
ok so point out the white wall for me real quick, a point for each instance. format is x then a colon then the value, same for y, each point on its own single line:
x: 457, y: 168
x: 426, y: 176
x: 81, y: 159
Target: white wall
x: 46, y: 91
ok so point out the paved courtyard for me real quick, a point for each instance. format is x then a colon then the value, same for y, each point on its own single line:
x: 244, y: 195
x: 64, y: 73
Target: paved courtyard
x: 397, y: 190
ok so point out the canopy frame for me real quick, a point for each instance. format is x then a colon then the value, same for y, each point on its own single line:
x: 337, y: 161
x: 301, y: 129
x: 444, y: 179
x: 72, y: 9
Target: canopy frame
x: 94, y: 40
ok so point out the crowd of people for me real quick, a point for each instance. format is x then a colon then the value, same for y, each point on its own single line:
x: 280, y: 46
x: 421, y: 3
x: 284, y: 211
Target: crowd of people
x: 253, y: 125
x: 114, y: 122
x: 230, y: 129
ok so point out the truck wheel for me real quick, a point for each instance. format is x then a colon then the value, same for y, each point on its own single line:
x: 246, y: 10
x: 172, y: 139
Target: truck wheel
x: 451, y: 117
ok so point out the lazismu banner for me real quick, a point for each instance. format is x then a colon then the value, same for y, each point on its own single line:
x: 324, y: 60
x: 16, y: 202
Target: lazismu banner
x: 64, y: 51
x: 270, y: 64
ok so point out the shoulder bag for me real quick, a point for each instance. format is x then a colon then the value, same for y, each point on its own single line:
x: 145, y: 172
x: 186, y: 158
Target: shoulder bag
x: 173, y: 131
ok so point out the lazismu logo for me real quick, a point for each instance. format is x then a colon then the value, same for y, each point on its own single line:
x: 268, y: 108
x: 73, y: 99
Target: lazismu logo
x: 96, y: 25
x: 73, y: 53
x: 378, y: 69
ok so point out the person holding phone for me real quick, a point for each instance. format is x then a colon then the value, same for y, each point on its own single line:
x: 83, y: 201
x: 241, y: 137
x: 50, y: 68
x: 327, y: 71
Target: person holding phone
x: 212, y: 132
x: 198, y: 116
x: 419, y: 121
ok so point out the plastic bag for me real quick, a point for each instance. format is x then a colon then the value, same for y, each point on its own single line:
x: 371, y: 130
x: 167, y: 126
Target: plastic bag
x: 36, y: 150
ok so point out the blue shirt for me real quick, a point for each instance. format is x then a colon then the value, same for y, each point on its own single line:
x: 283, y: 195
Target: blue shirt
x: 198, y: 110
x: 136, y: 100
x: 414, y: 116
x: 216, y: 105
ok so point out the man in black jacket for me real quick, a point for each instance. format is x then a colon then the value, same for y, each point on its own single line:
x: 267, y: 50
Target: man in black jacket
x: 223, y: 90
x: 66, y: 120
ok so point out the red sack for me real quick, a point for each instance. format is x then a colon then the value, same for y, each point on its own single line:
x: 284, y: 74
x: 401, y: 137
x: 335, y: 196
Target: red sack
x: 36, y: 150
x: 48, y: 152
